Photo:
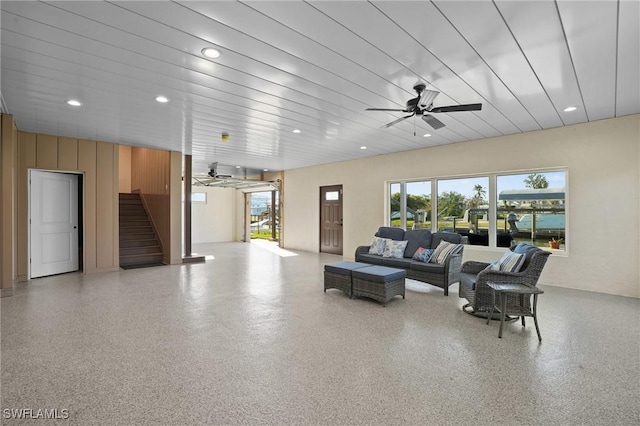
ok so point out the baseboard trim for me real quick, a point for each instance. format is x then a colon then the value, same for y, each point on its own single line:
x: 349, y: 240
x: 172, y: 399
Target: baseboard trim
x: 6, y: 292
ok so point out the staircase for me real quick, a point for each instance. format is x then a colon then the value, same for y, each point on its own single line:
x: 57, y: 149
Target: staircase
x: 139, y: 243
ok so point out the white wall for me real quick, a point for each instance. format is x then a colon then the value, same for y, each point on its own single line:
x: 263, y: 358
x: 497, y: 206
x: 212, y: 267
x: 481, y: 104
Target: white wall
x: 215, y: 220
x: 603, y: 162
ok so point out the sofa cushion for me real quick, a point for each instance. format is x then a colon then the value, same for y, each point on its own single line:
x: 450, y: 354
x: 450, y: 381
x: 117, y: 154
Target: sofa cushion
x: 422, y: 254
x: 391, y: 233
x: 377, y: 245
x: 394, y: 249
x: 369, y: 258
x: 427, y: 267
x: 450, y: 237
x: 444, y: 250
x: 416, y: 238
x: 396, y: 263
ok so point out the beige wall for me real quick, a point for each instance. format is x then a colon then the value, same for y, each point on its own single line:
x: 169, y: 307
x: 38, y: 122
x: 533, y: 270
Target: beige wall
x: 98, y: 162
x: 603, y: 163
x: 214, y: 221
x: 8, y: 203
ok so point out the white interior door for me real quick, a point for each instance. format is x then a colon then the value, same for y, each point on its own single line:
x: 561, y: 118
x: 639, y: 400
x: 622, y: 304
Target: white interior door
x: 53, y: 214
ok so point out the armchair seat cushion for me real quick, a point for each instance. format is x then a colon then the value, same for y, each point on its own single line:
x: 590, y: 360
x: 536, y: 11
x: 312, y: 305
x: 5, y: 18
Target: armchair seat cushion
x: 468, y: 281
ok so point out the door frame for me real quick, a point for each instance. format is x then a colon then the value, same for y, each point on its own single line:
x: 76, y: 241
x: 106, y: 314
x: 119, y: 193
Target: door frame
x: 81, y: 216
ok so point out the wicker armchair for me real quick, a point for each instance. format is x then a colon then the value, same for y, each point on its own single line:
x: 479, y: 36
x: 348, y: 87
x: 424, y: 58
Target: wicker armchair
x: 474, y: 278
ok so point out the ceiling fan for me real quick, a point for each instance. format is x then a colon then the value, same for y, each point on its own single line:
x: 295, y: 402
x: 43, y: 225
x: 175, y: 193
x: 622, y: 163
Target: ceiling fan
x: 423, y: 104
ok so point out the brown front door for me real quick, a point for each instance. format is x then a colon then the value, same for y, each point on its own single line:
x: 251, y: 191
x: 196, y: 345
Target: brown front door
x: 331, y: 219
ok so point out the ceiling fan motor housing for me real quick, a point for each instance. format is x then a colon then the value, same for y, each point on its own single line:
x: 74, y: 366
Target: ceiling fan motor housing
x: 419, y: 87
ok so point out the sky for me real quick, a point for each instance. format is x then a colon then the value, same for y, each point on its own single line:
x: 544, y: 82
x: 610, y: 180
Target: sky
x: 465, y: 185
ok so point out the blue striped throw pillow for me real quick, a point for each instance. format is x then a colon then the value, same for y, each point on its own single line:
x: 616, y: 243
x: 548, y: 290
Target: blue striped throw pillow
x: 509, y: 262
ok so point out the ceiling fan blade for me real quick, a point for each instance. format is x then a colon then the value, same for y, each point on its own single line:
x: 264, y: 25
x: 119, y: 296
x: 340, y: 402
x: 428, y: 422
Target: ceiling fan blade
x: 454, y: 108
x: 394, y: 122
x: 433, y: 122
x: 427, y: 97
x: 385, y: 109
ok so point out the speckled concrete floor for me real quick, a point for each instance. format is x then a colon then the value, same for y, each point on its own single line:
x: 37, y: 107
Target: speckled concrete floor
x: 249, y: 337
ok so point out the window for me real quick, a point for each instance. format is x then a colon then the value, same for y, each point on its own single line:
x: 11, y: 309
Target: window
x: 463, y: 207
x: 332, y: 196
x: 496, y: 210
x: 198, y: 197
x: 531, y: 208
x: 410, y: 204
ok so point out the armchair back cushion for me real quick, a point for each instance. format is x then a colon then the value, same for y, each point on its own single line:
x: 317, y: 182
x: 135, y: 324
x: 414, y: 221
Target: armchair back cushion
x: 528, y: 250
x: 396, y: 234
x: 416, y: 238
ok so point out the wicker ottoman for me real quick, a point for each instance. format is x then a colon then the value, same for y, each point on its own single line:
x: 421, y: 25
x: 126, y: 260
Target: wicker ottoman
x: 338, y: 275
x: 380, y: 283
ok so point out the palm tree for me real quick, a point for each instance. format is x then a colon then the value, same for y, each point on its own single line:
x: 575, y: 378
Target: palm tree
x: 536, y: 181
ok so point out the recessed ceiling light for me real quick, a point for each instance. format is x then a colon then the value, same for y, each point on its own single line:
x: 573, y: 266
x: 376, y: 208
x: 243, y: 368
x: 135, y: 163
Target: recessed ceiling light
x: 426, y: 135
x: 210, y: 52
x: 162, y: 99
x: 570, y: 109
x: 73, y: 102
x: 363, y: 147
x: 296, y: 130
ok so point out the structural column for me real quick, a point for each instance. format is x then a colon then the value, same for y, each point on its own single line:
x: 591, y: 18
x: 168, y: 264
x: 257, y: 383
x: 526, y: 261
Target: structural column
x: 187, y: 178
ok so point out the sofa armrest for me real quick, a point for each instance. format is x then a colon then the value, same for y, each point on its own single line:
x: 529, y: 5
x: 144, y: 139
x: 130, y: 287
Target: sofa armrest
x: 452, y: 264
x: 362, y: 250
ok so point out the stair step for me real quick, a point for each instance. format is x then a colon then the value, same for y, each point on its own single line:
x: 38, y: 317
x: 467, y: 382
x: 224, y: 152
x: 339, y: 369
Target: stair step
x: 138, y: 243
x: 138, y: 259
x: 136, y: 229
x: 130, y: 251
x: 128, y: 195
x: 138, y: 236
x: 130, y: 202
x: 132, y: 222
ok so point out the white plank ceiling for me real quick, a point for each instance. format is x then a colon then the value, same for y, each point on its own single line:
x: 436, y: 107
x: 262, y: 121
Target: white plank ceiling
x: 312, y: 66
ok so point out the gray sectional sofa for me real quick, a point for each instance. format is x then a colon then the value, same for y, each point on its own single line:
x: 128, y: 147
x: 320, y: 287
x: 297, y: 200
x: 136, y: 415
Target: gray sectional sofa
x: 439, y: 275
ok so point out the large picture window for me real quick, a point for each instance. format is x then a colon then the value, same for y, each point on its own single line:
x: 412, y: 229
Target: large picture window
x: 531, y: 208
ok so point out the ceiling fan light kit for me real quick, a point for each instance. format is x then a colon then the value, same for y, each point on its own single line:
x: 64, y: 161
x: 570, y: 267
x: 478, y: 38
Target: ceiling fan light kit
x: 423, y: 104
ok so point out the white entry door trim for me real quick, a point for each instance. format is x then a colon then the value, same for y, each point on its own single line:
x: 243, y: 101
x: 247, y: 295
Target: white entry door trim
x: 53, y: 223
